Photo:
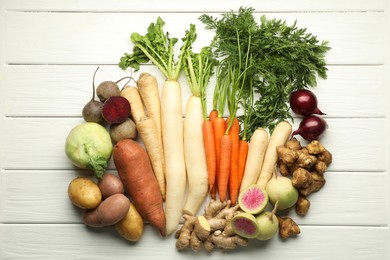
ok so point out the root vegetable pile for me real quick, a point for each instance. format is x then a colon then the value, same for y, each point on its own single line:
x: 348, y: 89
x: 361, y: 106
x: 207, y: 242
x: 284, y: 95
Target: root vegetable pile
x: 250, y: 166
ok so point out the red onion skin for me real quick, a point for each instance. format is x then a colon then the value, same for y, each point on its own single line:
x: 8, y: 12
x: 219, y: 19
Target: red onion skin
x: 304, y: 102
x: 311, y: 128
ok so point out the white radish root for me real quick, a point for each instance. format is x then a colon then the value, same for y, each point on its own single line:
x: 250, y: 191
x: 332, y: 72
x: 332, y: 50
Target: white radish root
x: 195, y: 157
x: 173, y: 142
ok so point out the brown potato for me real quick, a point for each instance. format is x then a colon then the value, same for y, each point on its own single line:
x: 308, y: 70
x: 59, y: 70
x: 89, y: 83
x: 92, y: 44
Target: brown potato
x: 113, y: 209
x: 131, y: 227
x: 91, y: 218
x: 84, y: 193
x: 110, y: 184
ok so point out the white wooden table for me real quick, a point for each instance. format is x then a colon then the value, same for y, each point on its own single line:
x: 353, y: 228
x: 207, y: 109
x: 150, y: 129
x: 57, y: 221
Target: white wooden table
x: 48, y: 53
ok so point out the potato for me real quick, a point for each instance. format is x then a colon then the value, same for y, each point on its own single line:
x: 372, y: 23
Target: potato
x: 113, y: 209
x: 125, y: 130
x: 110, y: 184
x: 131, y: 227
x: 84, y: 193
x: 91, y: 218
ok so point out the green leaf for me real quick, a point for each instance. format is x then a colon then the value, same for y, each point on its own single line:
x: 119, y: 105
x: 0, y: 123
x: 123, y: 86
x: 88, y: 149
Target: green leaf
x: 97, y: 164
x: 283, y: 58
x: 158, y: 47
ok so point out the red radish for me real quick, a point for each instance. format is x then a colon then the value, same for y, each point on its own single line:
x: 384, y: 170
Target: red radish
x: 311, y: 128
x: 304, y: 102
x: 116, y: 109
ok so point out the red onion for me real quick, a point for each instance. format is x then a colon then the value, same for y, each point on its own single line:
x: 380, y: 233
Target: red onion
x: 311, y: 128
x: 304, y: 102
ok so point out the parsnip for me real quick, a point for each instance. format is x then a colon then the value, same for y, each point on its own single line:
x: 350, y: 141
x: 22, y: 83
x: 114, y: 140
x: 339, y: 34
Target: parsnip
x: 278, y: 137
x: 257, y: 148
x: 137, y: 108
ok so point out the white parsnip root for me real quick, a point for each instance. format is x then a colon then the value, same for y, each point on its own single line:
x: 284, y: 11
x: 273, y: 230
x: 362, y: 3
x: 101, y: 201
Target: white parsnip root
x: 279, y: 136
x: 148, y: 88
x: 257, y: 147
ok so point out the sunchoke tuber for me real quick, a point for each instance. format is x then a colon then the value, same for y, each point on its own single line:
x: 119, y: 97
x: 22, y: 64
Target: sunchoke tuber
x: 302, y: 206
x: 307, y: 169
x: 287, y: 227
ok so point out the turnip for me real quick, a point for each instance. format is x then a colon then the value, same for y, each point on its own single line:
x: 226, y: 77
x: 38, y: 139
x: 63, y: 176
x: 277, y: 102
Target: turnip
x: 268, y: 225
x: 281, y: 192
x: 89, y: 146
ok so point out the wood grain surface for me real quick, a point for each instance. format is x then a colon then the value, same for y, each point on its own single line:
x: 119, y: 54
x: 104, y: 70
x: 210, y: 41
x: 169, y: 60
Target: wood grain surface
x: 48, y: 53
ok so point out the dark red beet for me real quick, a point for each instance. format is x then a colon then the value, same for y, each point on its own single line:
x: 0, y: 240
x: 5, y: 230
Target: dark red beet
x: 304, y: 102
x: 311, y: 128
x: 116, y: 109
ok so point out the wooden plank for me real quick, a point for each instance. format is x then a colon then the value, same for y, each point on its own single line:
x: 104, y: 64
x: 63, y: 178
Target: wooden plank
x: 349, y: 91
x: 102, y: 38
x: 42, y: 142
x: 77, y: 242
x: 342, y: 201
x: 194, y: 6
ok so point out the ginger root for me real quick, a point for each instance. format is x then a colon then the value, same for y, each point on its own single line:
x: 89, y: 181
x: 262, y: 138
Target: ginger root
x: 287, y: 227
x: 212, y: 230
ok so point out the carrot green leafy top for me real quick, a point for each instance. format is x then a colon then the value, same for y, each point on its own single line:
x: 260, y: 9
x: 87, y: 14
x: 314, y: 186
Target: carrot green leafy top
x: 274, y: 58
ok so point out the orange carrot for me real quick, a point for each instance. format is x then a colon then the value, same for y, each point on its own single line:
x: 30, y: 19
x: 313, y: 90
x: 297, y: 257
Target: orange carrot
x: 242, y: 155
x: 209, y: 144
x: 234, y: 133
x: 213, y: 189
x: 224, y: 167
x: 213, y: 115
x: 219, y: 131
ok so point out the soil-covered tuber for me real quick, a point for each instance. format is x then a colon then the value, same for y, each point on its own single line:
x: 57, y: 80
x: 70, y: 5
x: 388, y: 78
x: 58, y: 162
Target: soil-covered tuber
x: 307, y: 171
x: 287, y: 227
